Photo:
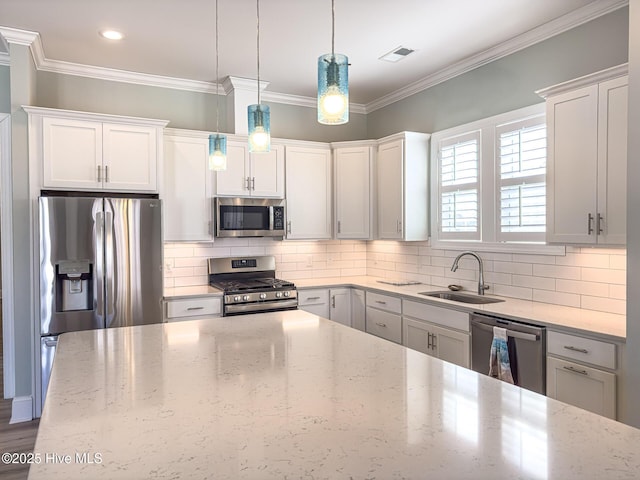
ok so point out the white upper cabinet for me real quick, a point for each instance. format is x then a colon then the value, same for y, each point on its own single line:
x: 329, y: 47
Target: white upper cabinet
x: 612, y: 161
x: 402, y: 187
x: 83, y: 151
x: 586, y: 162
x: 187, y: 187
x: 252, y: 174
x: 308, y: 180
x: 130, y: 157
x: 354, y: 192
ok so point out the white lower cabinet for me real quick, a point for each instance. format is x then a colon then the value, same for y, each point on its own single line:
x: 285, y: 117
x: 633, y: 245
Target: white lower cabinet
x: 314, y: 301
x: 383, y: 317
x: 582, y: 386
x: 358, y: 309
x: 192, y: 308
x: 581, y: 372
x: 340, y: 305
x: 421, y: 333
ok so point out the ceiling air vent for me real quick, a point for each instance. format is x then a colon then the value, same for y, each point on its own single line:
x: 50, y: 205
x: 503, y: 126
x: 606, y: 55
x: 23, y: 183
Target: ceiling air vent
x: 396, y: 54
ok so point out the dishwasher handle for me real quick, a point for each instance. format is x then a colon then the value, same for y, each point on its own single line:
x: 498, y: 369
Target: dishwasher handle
x: 511, y: 333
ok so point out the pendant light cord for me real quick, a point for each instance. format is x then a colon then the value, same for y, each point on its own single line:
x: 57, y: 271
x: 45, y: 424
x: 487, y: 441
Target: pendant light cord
x: 217, y: 77
x: 258, y: 44
x: 333, y: 27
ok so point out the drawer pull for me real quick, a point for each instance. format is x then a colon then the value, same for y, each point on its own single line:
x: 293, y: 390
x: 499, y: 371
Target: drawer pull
x: 189, y: 309
x: 575, y: 370
x: 381, y: 302
x: 576, y: 349
x: 380, y: 324
x: 313, y: 298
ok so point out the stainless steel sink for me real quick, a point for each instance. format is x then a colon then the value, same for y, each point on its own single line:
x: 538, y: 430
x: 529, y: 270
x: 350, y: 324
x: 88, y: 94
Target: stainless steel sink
x: 461, y: 297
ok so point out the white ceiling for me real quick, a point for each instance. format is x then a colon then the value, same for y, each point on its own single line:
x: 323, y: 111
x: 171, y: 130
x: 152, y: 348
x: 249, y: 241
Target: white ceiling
x: 176, y: 38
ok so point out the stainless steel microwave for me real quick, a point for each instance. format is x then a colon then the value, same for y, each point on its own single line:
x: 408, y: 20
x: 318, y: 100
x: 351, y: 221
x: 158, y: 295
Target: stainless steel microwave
x: 249, y: 217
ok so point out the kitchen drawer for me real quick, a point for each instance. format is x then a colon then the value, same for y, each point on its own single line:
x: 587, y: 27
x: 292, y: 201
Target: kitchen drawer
x: 438, y: 315
x: 193, y: 307
x: 582, y: 349
x: 384, y: 324
x: 313, y: 297
x: 384, y: 302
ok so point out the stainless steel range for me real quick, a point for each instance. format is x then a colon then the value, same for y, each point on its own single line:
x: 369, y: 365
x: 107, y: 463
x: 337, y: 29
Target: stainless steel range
x: 250, y: 285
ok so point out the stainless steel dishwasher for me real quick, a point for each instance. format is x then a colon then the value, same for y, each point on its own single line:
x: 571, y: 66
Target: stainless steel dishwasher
x: 528, y: 346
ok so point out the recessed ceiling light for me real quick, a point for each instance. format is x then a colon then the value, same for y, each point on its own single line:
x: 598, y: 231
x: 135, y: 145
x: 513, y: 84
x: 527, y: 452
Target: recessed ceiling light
x: 396, y: 54
x: 111, y: 34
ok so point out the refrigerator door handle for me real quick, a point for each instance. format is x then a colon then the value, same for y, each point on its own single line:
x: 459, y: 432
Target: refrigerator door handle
x: 99, y: 291
x: 109, y: 266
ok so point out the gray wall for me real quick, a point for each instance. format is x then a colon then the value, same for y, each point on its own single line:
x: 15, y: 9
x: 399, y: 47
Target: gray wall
x: 510, y: 82
x: 5, y: 95
x: 631, y: 377
x: 191, y: 110
x: 301, y: 123
x: 183, y: 109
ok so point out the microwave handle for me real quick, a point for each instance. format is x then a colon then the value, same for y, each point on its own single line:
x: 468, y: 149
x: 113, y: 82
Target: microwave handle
x: 271, y: 217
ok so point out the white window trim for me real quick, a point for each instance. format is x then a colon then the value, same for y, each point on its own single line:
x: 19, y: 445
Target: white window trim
x: 488, y: 225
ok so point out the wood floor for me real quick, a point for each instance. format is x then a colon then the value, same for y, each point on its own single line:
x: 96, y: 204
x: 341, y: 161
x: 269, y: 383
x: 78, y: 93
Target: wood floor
x: 16, y: 438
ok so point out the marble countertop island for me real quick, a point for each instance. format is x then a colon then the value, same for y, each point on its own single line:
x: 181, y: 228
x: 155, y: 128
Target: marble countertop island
x: 291, y: 395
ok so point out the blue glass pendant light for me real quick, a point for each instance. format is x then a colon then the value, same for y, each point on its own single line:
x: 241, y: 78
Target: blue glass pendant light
x: 217, y: 142
x: 333, y: 83
x: 259, y: 115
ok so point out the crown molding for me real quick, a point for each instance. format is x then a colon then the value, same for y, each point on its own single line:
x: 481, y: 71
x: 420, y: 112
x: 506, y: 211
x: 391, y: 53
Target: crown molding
x: 591, y: 79
x: 19, y: 37
x: 554, y: 27
x: 5, y: 59
x: 543, y: 32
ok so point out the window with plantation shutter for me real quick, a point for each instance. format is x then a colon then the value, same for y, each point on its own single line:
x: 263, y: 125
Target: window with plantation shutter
x: 459, y: 161
x: 521, y: 157
x: 489, y: 180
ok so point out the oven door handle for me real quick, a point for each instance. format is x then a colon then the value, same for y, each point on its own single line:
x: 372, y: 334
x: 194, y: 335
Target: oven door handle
x: 261, y: 306
x: 511, y: 333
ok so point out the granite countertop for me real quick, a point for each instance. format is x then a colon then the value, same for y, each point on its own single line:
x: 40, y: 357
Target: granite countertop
x: 608, y: 326
x: 292, y: 395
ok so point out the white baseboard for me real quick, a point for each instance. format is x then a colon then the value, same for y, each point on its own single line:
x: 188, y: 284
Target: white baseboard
x: 21, y: 410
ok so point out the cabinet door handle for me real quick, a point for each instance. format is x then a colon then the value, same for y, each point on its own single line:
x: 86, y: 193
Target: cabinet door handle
x: 106, y: 173
x: 253, y: 183
x: 575, y: 370
x: 99, y: 173
x: 428, y: 341
x: 380, y: 324
x: 599, y: 222
x: 289, y: 226
x: 381, y: 302
x: 194, y: 308
x: 333, y: 301
x: 247, y: 187
x: 399, y: 226
x: 576, y: 349
x: 313, y: 298
x: 433, y: 341
x: 589, y: 224
x: 338, y: 226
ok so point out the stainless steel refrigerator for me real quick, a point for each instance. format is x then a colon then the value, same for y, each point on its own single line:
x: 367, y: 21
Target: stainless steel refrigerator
x: 100, y: 266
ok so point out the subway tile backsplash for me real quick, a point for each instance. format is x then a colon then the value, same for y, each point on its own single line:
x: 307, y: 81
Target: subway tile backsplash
x: 590, y: 278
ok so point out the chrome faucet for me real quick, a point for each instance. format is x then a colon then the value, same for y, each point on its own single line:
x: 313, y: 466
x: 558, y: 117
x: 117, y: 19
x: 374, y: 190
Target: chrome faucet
x: 481, y: 286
